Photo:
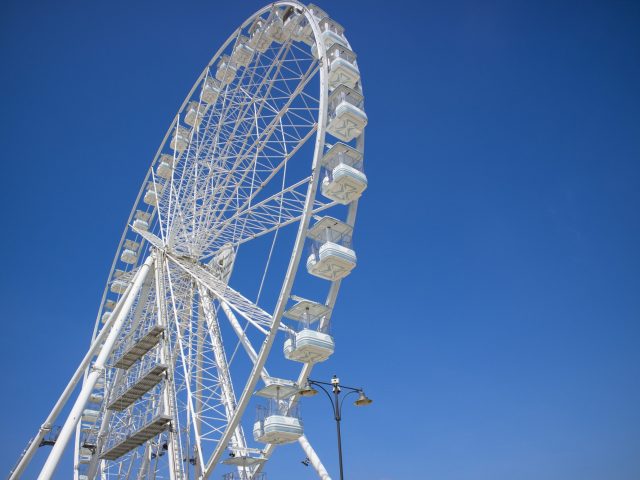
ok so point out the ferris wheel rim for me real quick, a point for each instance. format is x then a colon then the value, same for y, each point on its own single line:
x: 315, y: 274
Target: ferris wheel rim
x: 312, y: 188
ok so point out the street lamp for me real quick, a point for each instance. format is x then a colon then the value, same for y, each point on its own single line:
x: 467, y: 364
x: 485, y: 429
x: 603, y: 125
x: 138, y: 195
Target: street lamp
x: 336, y: 403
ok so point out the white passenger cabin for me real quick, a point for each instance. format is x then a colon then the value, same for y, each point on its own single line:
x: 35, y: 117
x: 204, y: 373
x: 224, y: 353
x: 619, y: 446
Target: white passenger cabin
x: 331, y: 33
x: 295, y: 24
x: 242, y: 52
x: 304, y: 32
x: 109, y: 305
x: 258, y: 38
x: 141, y: 221
x: 332, y: 257
x: 96, y: 397
x: 275, y: 26
x: 346, y: 114
x: 279, y: 422
x: 211, y: 89
x: 165, y: 166
x: 342, y: 67
x: 311, y: 343
x: 119, y: 286
x: 100, y: 382
x: 151, y: 197
x: 120, y: 282
x: 140, y: 225
x: 309, y: 346
x: 290, y: 21
x: 129, y: 256
x: 85, y: 451
x: 180, y: 139
x: 344, y: 181
x: 194, y: 113
x: 131, y: 246
x: 277, y: 429
x: 153, y: 193
x: 90, y: 416
x: 226, y: 71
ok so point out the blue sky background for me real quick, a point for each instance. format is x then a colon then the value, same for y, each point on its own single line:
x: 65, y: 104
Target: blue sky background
x: 494, y: 314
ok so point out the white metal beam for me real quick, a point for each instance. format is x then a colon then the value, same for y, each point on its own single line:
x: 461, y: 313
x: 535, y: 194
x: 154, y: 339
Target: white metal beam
x: 238, y: 302
x: 242, y: 336
x: 184, y: 362
x: 164, y: 358
x: 313, y: 458
x: 98, y: 368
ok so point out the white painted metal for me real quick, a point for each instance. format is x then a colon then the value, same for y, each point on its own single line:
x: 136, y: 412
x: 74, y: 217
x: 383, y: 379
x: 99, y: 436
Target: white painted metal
x: 211, y: 189
x: 309, y: 346
x: 313, y: 458
x: 279, y: 388
x: 237, y: 328
x: 347, y: 118
x: 277, y: 429
x: 98, y: 368
x: 167, y: 394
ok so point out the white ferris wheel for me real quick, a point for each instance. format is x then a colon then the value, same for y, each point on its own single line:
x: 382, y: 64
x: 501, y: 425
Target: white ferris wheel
x: 221, y: 293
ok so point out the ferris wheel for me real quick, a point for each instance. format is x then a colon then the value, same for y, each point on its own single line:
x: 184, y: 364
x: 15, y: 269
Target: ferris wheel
x: 220, y: 297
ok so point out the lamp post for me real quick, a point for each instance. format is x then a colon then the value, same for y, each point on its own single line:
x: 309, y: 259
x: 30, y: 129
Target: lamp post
x: 336, y: 403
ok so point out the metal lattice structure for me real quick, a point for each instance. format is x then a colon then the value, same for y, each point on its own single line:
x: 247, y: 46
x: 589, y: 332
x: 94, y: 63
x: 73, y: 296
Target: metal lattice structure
x: 262, y: 163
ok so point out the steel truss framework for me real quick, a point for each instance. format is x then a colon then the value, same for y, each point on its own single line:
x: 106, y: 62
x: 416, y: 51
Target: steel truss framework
x: 178, y: 351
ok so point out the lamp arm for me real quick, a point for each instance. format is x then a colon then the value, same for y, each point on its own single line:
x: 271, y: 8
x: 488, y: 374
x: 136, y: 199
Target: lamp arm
x: 344, y: 387
x: 343, y: 398
x: 333, y: 404
x: 318, y: 382
x: 355, y: 389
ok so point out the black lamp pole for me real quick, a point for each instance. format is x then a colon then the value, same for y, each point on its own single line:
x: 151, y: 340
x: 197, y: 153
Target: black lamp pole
x: 336, y: 404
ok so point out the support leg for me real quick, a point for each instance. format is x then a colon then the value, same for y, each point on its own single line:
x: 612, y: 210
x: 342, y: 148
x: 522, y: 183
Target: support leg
x: 313, y: 458
x: 97, y: 370
x: 167, y: 404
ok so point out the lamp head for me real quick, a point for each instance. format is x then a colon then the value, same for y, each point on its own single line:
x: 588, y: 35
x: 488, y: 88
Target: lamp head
x: 362, y: 400
x: 307, y: 391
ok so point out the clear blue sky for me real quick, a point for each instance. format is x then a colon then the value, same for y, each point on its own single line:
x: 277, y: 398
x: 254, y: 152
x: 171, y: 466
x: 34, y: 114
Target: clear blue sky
x: 494, y: 314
